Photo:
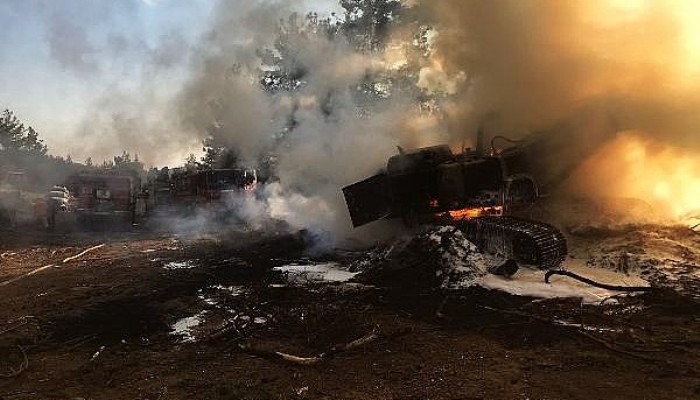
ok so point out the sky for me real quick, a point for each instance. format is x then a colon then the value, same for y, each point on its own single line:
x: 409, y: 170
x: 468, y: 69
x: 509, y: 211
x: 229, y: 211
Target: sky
x: 60, y: 59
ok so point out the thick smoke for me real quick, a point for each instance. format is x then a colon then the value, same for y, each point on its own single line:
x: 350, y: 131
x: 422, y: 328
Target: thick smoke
x: 71, y: 43
x: 70, y: 46
x: 532, y: 64
x: 581, y: 70
x: 133, y: 108
x: 320, y: 137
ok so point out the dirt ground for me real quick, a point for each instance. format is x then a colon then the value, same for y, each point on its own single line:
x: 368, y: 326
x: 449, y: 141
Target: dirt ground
x: 100, y: 327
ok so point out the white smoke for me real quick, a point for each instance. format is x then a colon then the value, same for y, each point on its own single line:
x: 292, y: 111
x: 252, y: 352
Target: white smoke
x: 332, y: 142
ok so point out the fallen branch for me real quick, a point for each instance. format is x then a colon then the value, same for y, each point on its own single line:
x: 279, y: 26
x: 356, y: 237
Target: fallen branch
x: 307, y: 361
x: 12, y: 328
x: 572, y: 328
x: 280, y: 356
x: 365, y: 340
x: 21, y: 322
x: 299, y: 360
x: 614, y: 348
x: 23, y: 365
x: 75, y: 257
x: 522, y: 314
x: 32, y: 272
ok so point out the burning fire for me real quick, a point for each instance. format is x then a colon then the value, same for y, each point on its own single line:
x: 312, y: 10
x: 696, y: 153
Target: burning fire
x: 465, y: 213
x: 474, y: 212
x: 666, y: 177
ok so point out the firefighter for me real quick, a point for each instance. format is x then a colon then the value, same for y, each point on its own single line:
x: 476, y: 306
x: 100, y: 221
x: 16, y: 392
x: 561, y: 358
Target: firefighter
x: 41, y: 212
x: 52, y: 205
x: 57, y: 199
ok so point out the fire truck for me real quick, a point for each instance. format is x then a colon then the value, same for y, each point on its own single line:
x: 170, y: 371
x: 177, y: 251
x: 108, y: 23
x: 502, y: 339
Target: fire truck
x: 105, y: 199
x: 180, y: 193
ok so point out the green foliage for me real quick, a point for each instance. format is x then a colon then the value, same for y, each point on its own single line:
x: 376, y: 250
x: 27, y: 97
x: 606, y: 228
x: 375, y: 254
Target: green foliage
x: 368, y: 22
x: 21, y: 150
x: 124, y: 162
x: 191, y: 163
x: 217, y: 156
x: 15, y: 137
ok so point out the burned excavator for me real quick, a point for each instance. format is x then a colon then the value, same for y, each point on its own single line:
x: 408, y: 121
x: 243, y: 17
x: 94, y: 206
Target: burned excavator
x: 479, y: 190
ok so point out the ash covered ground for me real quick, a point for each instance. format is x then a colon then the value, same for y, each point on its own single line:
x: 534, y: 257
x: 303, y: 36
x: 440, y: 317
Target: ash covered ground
x: 247, y: 314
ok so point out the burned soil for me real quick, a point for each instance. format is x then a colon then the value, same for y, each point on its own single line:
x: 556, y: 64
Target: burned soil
x: 159, y: 316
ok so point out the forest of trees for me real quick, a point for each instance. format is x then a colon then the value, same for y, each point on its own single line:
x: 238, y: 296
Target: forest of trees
x: 22, y: 149
x: 16, y: 138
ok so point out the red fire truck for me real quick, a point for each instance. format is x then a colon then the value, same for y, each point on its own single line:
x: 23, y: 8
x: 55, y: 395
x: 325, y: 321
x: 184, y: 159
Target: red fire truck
x: 105, y: 199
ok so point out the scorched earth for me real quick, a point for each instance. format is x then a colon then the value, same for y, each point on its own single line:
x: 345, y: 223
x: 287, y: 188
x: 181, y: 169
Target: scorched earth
x: 248, y: 315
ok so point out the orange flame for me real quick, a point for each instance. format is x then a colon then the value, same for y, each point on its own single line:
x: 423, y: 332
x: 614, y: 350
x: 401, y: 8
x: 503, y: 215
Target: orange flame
x: 476, y: 212
x: 666, y: 177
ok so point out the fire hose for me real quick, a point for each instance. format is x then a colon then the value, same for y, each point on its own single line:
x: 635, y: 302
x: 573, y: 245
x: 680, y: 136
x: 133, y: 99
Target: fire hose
x: 594, y: 283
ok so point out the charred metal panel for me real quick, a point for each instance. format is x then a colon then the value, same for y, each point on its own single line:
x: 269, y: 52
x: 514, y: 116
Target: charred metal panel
x: 413, y: 192
x: 472, y: 183
x: 368, y: 200
x: 417, y: 160
x: 414, y: 179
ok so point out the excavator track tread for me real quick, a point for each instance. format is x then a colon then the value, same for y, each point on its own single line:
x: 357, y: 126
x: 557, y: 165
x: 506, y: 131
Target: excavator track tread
x: 529, y: 242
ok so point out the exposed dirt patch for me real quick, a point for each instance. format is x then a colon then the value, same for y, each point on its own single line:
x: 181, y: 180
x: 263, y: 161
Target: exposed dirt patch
x: 102, y: 327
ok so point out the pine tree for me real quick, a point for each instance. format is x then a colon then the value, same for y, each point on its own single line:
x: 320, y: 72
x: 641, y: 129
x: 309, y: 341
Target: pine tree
x: 15, y: 137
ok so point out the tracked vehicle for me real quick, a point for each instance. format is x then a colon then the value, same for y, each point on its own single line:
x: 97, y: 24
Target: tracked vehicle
x: 477, y: 190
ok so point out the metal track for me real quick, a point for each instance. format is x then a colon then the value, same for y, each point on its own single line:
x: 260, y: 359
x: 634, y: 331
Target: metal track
x: 528, y: 242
